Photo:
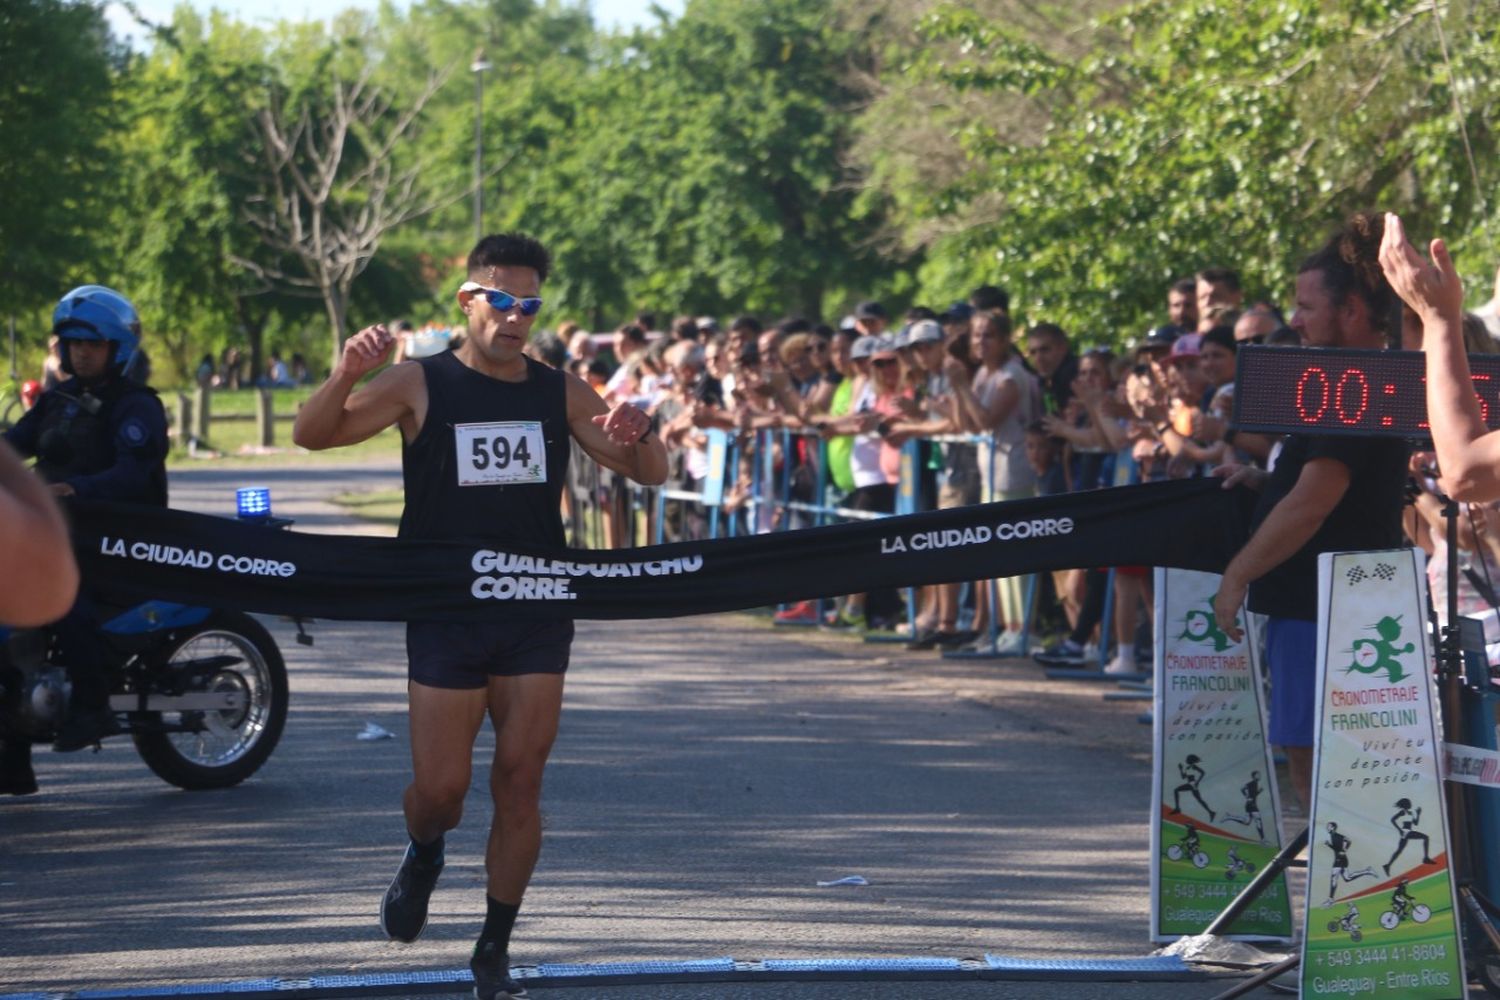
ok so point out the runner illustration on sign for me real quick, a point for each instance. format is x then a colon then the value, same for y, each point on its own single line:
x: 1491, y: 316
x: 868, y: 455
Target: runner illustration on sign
x: 1405, y: 821
x: 1371, y: 655
x: 1251, y: 791
x: 1192, y: 773
x: 1340, y: 845
x: 1404, y: 906
x: 1189, y: 848
x: 1200, y: 626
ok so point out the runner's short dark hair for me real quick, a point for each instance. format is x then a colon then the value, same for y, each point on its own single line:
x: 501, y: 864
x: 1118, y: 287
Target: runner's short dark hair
x: 510, y: 250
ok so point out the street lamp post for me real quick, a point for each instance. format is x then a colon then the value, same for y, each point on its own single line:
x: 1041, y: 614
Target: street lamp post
x: 479, y: 67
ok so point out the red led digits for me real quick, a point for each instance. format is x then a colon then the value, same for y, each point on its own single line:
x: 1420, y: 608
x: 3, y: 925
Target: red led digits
x: 1354, y: 377
x: 1322, y: 386
x: 1481, y: 381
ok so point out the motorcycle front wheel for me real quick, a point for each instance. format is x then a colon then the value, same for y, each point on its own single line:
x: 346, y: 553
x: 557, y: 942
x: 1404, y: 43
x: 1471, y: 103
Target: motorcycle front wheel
x: 220, y: 748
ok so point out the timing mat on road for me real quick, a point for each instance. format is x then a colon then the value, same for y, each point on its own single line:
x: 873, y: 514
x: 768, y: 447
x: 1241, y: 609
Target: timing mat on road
x: 711, y: 970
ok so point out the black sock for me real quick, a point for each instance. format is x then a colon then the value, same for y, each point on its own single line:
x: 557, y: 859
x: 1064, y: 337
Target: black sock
x: 499, y: 919
x: 429, y: 853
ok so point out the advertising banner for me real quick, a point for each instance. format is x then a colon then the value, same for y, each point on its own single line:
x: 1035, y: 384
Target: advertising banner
x: 1215, y: 820
x: 1381, y: 909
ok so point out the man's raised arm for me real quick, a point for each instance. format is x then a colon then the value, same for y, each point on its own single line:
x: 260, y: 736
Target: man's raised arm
x: 334, y: 415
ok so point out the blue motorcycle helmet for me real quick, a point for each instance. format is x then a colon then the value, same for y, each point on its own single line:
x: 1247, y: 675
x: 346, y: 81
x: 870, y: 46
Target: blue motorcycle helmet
x: 93, y: 312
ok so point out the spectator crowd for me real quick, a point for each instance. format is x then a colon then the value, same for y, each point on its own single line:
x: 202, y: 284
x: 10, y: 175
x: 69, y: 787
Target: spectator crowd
x: 997, y: 411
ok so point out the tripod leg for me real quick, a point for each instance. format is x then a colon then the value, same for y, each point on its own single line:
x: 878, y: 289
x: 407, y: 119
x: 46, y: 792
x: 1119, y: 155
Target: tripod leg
x: 1258, y: 885
x: 1262, y: 977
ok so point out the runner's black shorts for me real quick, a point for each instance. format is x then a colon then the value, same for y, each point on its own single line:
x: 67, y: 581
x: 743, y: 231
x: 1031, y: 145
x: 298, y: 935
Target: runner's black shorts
x: 465, y: 655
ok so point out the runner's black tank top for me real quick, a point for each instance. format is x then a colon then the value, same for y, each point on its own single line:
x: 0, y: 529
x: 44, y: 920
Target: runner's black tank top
x: 491, y: 458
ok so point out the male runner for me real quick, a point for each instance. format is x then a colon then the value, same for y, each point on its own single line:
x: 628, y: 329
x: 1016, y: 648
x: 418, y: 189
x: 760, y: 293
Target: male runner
x: 1340, y: 844
x: 485, y: 432
x: 1251, y: 791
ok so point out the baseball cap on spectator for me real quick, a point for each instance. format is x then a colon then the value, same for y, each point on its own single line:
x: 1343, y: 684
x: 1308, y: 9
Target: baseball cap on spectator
x: 1186, y: 346
x: 924, y: 331
x: 898, y: 340
x: 848, y: 322
x: 869, y: 310
x: 708, y: 324
x: 958, y: 312
x: 863, y: 347
x: 1157, y: 341
x: 885, y: 347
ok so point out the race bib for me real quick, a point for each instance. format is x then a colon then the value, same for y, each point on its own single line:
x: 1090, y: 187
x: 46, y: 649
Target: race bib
x: 501, y: 453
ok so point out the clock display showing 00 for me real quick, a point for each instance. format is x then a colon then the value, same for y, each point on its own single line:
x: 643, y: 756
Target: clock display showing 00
x: 1331, y: 390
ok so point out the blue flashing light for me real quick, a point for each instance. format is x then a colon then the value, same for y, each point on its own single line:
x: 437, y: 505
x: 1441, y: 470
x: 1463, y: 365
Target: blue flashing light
x: 253, y: 502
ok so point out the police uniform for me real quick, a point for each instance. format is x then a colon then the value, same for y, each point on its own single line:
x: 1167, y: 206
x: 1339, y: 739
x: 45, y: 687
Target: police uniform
x: 108, y: 442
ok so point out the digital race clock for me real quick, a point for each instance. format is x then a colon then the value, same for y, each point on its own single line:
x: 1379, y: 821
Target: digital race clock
x: 1334, y: 390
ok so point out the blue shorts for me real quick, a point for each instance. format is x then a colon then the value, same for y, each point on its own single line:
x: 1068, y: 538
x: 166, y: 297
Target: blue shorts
x: 1292, y: 659
x: 464, y: 656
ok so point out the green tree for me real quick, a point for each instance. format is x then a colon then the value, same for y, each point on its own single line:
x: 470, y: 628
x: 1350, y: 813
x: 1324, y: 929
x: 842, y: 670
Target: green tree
x: 1086, y: 170
x: 187, y: 256
x: 707, y: 168
x: 56, y: 83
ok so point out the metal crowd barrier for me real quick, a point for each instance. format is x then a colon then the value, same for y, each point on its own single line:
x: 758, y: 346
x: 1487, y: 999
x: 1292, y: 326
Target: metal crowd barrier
x: 778, y: 480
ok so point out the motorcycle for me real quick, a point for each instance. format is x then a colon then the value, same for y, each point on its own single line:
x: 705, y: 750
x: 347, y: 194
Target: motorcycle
x: 202, y: 693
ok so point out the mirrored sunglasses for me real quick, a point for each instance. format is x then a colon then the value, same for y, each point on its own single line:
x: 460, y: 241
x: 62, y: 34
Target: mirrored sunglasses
x: 504, y: 301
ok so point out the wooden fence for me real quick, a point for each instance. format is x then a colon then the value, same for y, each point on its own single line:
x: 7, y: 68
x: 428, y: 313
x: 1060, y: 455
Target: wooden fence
x: 194, y: 413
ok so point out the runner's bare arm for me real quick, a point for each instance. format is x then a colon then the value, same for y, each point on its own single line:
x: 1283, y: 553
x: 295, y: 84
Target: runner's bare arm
x: 612, y: 437
x: 335, y: 415
x: 1288, y: 527
x: 35, y: 539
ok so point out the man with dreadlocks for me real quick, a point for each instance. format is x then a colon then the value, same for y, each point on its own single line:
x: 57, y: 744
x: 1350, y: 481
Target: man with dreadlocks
x: 1325, y: 494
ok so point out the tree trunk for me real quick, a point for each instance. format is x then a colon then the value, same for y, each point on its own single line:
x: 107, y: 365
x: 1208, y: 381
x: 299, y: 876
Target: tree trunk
x: 336, y: 301
x: 255, y: 332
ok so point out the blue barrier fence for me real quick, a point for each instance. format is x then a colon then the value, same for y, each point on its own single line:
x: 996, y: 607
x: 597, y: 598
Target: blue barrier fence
x: 778, y: 480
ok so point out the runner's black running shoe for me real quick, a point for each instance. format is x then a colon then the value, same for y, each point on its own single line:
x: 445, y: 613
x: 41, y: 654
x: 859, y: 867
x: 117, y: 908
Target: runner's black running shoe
x: 491, y: 969
x: 403, y: 911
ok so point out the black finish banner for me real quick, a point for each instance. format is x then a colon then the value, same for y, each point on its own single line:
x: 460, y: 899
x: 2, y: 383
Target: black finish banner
x: 135, y: 553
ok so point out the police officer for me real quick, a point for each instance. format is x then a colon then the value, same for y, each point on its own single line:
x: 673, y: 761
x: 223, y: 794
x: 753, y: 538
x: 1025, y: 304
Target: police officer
x: 98, y: 435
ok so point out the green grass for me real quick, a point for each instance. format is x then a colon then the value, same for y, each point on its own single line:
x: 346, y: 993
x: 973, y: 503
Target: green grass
x: 234, y: 443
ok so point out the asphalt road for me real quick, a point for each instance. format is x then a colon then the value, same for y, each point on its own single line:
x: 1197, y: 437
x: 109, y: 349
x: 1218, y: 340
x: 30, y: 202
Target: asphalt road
x: 710, y: 772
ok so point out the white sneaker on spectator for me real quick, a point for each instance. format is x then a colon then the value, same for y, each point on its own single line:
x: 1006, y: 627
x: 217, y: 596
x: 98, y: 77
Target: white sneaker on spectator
x: 1118, y: 666
x: 1011, y: 644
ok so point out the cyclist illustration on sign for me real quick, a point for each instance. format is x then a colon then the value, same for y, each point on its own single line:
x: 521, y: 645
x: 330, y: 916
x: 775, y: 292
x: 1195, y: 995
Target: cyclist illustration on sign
x: 1404, y: 907
x: 1192, y: 773
x: 1372, y: 655
x: 1200, y: 626
x: 1349, y: 924
x: 1405, y: 821
x: 1235, y: 864
x: 1340, y: 845
x: 1189, y: 848
x: 1251, y: 791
